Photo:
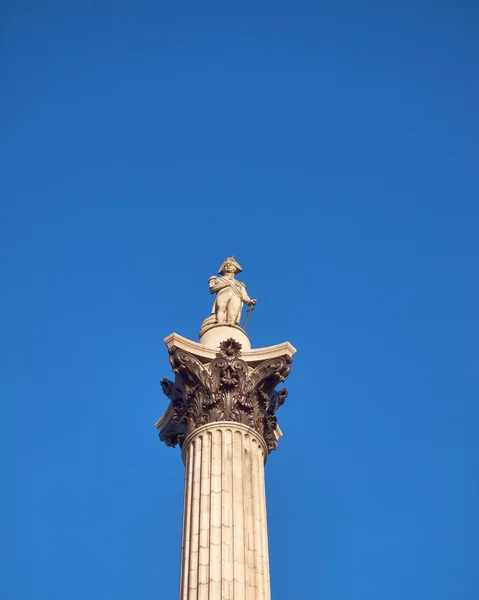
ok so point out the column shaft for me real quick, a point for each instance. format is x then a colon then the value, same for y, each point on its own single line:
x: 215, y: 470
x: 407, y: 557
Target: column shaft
x: 225, y: 547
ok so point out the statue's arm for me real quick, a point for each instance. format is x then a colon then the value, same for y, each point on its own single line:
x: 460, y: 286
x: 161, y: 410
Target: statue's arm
x: 245, y: 298
x: 216, y: 284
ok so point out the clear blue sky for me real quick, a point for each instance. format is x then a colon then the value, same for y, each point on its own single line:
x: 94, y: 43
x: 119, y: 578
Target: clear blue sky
x: 332, y: 147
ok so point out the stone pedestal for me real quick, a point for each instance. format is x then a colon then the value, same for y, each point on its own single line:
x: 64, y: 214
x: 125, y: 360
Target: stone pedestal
x: 222, y: 413
x: 221, y: 332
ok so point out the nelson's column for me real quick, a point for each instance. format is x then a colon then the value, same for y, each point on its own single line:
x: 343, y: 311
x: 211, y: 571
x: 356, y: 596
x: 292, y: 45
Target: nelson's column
x: 222, y: 413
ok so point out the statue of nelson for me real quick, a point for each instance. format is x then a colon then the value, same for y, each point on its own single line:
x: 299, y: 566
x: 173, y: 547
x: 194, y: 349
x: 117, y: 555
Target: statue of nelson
x: 230, y: 295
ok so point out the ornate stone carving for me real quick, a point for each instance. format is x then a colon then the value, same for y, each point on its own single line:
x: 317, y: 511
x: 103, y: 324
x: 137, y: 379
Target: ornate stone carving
x: 230, y: 348
x: 224, y: 390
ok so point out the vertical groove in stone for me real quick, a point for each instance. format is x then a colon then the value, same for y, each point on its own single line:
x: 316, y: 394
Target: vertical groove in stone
x: 195, y: 519
x: 194, y: 463
x: 264, y: 525
x: 238, y: 516
x: 254, y: 594
x: 227, y: 517
x: 211, y: 433
x: 185, y: 546
x: 258, y: 518
x: 249, y: 522
x: 233, y: 535
x: 188, y: 510
x: 204, y: 518
x: 215, y: 517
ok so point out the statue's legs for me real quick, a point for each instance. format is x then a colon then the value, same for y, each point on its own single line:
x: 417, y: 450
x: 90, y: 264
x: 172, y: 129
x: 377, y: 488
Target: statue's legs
x: 221, y: 306
x: 228, y: 309
x: 234, y: 309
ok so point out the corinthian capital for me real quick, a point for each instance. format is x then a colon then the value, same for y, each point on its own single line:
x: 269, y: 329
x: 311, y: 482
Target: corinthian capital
x: 229, y: 386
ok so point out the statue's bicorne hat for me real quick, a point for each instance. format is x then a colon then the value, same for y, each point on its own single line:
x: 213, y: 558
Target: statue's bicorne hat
x: 230, y: 259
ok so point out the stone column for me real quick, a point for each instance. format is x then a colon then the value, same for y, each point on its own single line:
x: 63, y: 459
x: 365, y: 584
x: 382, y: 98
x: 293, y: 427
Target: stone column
x: 225, y: 546
x: 222, y: 413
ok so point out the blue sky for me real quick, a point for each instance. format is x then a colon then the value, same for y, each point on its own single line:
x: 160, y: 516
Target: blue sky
x: 332, y: 148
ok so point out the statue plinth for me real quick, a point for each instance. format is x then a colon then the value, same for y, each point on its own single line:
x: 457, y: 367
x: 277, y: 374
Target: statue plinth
x: 221, y: 332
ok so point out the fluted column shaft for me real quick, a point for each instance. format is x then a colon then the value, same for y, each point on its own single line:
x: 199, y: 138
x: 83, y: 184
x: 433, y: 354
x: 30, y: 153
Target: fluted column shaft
x: 224, y: 544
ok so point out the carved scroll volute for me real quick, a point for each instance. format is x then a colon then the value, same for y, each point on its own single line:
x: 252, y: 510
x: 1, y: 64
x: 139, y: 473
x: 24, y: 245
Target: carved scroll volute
x: 268, y: 374
x: 217, y: 367
x: 189, y: 368
x: 241, y: 369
